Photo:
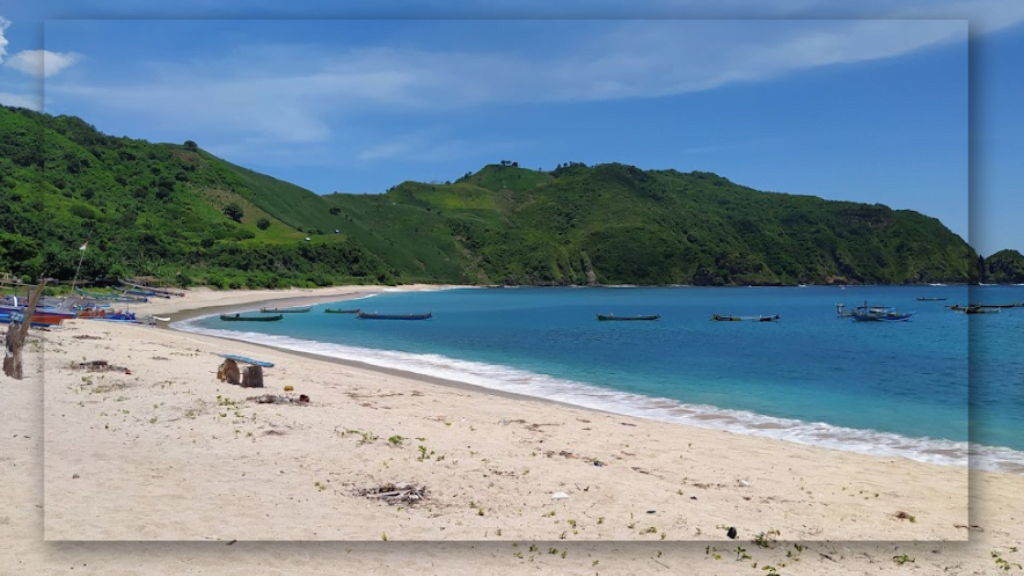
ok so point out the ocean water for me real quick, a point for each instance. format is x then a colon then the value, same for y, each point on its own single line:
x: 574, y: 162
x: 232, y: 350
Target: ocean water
x: 943, y: 387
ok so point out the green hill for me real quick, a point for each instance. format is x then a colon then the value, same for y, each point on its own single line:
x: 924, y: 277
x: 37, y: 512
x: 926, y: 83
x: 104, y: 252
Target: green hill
x: 1004, y: 267
x: 179, y: 213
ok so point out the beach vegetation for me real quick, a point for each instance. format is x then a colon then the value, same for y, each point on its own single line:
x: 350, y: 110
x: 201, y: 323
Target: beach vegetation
x: 396, y: 440
x: 901, y: 515
x: 902, y: 559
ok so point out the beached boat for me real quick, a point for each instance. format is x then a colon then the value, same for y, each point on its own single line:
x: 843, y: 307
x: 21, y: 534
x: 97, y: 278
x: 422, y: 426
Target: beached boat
x: 158, y: 291
x: 375, y: 316
x: 295, y: 310
x: 38, y: 320
x: 341, y: 311
x: 110, y: 297
x: 613, y: 317
x: 731, y: 318
x: 240, y: 318
x: 137, y: 292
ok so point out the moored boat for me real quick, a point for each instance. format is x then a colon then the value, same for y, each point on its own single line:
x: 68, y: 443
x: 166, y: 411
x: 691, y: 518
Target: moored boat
x: 865, y: 309
x: 341, y: 311
x: 731, y: 318
x: 239, y: 318
x: 613, y: 317
x: 887, y: 316
x: 931, y: 299
x: 294, y: 310
x: 375, y: 316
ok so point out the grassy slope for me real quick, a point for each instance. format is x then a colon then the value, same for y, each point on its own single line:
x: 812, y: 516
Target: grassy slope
x: 149, y: 208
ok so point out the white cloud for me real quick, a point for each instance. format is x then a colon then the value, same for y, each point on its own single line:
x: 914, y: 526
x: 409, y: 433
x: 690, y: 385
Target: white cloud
x: 42, y: 63
x: 4, y: 23
x: 295, y: 93
x: 29, y: 101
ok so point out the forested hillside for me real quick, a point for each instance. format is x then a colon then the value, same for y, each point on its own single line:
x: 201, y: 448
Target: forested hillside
x: 179, y: 213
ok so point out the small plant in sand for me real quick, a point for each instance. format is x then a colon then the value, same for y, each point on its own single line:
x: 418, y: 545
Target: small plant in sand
x: 396, y: 440
x: 321, y: 487
x: 649, y: 530
x: 902, y: 559
x: 901, y: 515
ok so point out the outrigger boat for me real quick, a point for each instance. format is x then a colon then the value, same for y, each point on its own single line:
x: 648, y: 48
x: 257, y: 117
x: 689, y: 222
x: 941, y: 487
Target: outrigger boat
x: 972, y: 309
x: 610, y: 317
x: 240, y: 318
x: 375, y: 316
x: 341, y: 311
x: 731, y: 318
x: 110, y: 297
x: 865, y: 309
x: 157, y: 291
x: 295, y: 310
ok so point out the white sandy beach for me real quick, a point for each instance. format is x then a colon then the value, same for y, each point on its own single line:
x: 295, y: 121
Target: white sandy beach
x: 169, y: 453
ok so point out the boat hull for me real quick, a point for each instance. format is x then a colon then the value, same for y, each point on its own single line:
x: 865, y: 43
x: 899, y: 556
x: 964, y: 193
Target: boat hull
x: 238, y: 318
x: 369, y: 316
x: 613, y: 318
x: 286, y: 310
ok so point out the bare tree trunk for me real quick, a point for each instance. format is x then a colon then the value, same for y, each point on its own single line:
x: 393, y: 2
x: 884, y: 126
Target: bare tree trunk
x: 252, y: 377
x: 16, y: 336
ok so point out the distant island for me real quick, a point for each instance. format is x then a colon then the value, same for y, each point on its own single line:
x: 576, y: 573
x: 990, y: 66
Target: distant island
x: 182, y: 216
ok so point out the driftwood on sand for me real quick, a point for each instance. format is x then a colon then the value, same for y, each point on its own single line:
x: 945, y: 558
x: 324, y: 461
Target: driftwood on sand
x: 16, y: 334
x: 394, y: 493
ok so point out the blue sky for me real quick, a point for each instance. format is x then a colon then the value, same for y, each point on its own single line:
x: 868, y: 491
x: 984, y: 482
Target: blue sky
x: 868, y: 104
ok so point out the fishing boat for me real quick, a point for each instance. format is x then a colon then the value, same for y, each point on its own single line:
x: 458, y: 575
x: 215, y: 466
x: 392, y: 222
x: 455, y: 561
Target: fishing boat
x: 38, y: 320
x: 977, y: 310
x: 295, y: 310
x: 341, y: 311
x: 731, y: 318
x: 865, y: 309
x: 158, y: 291
x: 612, y: 317
x: 931, y: 299
x: 240, y: 318
x: 887, y: 316
x: 137, y: 292
x: 110, y: 297
x: 42, y: 316
x: 375, y: 316
x: 1013, y: 305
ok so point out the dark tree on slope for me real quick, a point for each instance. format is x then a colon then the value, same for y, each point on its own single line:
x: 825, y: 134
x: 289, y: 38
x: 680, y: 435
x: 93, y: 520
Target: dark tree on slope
x: 234, y: 211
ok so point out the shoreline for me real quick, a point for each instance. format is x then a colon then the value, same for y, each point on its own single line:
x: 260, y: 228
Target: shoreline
x: 194, y: 459
x: 190, y: 314
x: 695, y: 418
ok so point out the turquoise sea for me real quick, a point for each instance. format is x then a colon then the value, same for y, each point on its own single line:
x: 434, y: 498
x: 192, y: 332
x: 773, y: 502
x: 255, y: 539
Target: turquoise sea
x: 943, y: 387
